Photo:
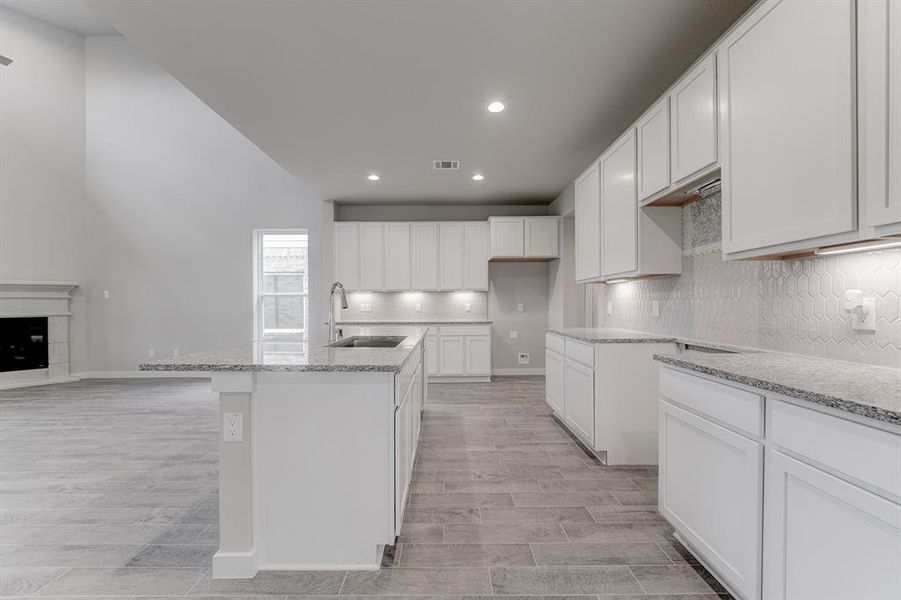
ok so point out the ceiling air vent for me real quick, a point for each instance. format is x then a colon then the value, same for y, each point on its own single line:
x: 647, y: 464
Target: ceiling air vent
x: 446, y: 164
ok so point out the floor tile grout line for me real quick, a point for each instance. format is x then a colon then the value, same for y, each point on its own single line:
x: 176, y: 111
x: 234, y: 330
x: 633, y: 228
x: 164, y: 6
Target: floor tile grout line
x: 196, y: 583
x: 37, y: 591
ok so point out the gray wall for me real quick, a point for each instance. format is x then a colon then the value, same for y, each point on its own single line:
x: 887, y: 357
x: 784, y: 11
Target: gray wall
x: 566, y: 298
x: 173, y: 194
x: 425, y: 212
x: 42, y: 136
x: 512, y: 283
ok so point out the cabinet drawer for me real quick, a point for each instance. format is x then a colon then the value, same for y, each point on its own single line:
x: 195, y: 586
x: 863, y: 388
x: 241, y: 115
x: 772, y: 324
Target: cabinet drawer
x: 579, y: 352
x: 557, y: 344
x: 869, y: 455
x: 464, y: 330
x: 731, y: 406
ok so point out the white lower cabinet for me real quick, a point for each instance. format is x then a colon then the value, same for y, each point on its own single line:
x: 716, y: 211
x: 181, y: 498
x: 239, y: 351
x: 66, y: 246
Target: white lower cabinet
x: 579, y: 413
x: 459, y: 351
x: 477, y: 355
x: 431, y: 354
x: 451, y: 355
x: 826, y: 538
x: 555, y: 390
x: 709, y: 489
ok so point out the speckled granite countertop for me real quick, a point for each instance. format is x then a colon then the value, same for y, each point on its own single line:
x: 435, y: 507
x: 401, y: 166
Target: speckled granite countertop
x: 298, y: 356
x: 864, y: 390
x: 602, y: 335
x: 424, y: 322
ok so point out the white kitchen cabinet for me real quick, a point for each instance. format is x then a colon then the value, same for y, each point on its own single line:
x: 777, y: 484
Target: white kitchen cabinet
x: 710, y: 491
x: 431, y: 355
x: 554, y: 378
x: 397, y: 256
x: 587, y: 191
x: 694, y: 115
x: 879, y: 97
x: 402, y: 465
x: 653, y: 138
x: 619, y: 208
x: 507, y: 237
x: 579, y: 411
x: 424, y: 256
x: 787, y: 127
x: 347, y: 255
x: 450, y: 256
x: 451, y: 355
x: 827, y: 538
x: 542, y: 237
x: 372, y: 256
x: 475, y: 256
x: 477, y: 355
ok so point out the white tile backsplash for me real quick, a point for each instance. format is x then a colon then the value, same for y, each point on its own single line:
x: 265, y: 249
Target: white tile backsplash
x: 791, y: 306
x: 401, y: 306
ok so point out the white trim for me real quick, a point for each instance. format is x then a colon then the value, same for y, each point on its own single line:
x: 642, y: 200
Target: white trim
x: 518, y: 371
x: 317, y: 567
x: 234, y: 565
x: 141, y: 374
x: 458, y: 379
x: 37, y: 382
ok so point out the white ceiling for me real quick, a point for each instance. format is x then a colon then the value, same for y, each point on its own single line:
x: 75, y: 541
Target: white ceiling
x: 68, y: 14
x: 334, y: 90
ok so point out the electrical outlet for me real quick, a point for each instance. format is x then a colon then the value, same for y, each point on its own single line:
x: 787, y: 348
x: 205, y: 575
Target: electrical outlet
x: 232, y: 427
x: 106, y: 294
x: 175, y: 352
x: 609, y: 308
x: 514, y: 335
x: 151, y: 352
x: 523, y: 358
x: 419, y: 307
x: 468, y: 307
x: 521, y: 307
x: 655, y: 308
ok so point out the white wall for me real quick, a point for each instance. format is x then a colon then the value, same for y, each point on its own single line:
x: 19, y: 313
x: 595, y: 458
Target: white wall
x: 173, y: 194
x: 42, y: 136
x: 566, y: 298
x: 512, y: 283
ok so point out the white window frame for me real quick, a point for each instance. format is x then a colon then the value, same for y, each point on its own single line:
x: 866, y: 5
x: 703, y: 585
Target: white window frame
x: 258, y: 287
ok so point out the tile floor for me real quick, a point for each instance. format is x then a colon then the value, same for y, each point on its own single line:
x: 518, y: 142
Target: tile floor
x: 109, y: 489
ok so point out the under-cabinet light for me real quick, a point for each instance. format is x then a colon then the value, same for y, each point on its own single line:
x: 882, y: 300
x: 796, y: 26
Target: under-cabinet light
x: 868, y: 246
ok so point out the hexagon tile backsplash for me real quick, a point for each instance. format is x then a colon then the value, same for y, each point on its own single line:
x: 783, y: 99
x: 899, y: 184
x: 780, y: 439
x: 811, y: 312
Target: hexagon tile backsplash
x: 787, y: 306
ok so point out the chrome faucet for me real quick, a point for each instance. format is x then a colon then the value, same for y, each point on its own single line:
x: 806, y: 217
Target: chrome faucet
x: 333, y: 333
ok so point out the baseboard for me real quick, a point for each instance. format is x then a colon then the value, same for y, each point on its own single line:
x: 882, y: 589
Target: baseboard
x: 234, y: 565
x: 518, y: 371
x: 439, y: 379
x: 141, y: 374
x: 13, y: 385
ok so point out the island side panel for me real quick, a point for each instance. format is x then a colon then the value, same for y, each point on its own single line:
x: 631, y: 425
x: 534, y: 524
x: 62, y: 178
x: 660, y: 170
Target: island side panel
x: 324, y: 470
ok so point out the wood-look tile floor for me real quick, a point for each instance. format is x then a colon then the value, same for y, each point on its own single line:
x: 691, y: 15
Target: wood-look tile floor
x: 108, y: 488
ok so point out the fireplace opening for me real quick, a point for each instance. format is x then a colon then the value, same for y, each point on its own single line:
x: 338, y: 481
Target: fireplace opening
x: 23, y: 344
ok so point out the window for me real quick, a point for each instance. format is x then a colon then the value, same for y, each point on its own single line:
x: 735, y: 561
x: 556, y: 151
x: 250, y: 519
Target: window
x: 281, y: 284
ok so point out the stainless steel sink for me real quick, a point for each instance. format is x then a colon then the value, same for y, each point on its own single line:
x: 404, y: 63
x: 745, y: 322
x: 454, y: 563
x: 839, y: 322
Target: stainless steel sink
x: 369, y: 341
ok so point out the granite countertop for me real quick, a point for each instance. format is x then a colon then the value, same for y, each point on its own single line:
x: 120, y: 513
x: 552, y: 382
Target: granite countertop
x: 868, y: 391
x: 420, y: 322
x: 603, y: 335
x: 297, y: 357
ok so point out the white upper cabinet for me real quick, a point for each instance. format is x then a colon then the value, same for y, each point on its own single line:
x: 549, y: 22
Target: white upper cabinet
x: 372, y: 256
x: 879, y: 81
x: 653, y: 133
x: 397, y: 256
x: 588, y: 224
x: 619, y: 208
x: 787, y: 125
x: 475, y: 256
x: 450, y: 254
x: 424, y: 256
x: 542, y: 237
x: 347, y: 255
x: 507, y: 237
x: 694, y: 140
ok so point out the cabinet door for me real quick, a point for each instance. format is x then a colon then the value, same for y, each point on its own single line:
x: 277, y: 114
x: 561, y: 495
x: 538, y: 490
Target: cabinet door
x: 347, y: 255
x: 694, y: 143
x: 475, y: 256
x: 478, y: 355
x: 826, y: 538
x: 431, y: 355
x: 507, y: 237
x: 397, y: 256
x: 424, y: 261
x: 542, y: 235
x: 652, y: 132
x: 372, y: 256
x: 579, y: 407
x: 450, y: 256
x: 554, y: 382
x: 588, y: 225
x: 451, y: 353
x: 787, y: 124
x: 710, y: 491
x: 619, y: 208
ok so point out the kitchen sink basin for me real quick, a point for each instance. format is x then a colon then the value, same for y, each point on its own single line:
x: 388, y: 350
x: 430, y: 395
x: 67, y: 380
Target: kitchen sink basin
x: 369, y: 341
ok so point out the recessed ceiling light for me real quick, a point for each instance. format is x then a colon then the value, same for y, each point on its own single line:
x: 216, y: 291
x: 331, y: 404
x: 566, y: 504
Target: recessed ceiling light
x: 478, y: 177
x: 496, y: 107
x: 373, y: 177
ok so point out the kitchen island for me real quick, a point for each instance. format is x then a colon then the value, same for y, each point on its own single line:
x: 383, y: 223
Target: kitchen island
x: 316, y: 449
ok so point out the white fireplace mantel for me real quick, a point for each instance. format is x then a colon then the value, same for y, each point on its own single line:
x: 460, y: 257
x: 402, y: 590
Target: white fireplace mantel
x: 40, y: 299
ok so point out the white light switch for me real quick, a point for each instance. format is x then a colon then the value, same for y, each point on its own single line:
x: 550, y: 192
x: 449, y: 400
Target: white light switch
x: 520, y: 307
x: 655, y: 308
x: 232, y: 427
x: 468, y: 307
x: 609, y: 308
x: 106, y: 294
x: 514, y: 335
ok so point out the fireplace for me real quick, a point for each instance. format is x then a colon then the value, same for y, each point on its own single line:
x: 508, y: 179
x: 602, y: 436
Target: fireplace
x: 24, y: 344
